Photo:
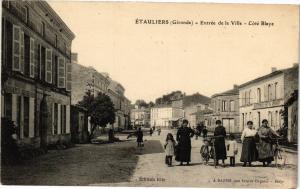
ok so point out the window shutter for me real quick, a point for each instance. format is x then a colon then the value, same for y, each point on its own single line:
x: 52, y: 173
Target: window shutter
x: 22, y: 53
x: 16, y: 48
x: 266, y: 93
x: 61, y: 73
x: 69, y: 76
x: 48, y: 66
x: 31, y: 59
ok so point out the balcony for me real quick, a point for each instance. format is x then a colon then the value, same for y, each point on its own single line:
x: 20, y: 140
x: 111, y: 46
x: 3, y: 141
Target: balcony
x: 268, y: 104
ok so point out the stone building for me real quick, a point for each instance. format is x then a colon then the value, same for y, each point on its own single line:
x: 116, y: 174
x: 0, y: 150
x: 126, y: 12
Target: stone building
x: 165, y: 116
x: 225, y: 107
x: 36, y: 72
x: 86, y: 78
x: 140, y: 116
x: 121, y: 104
x: 264, y: 97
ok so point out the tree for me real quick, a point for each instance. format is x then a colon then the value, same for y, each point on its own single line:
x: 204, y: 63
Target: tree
x: 100, y: 109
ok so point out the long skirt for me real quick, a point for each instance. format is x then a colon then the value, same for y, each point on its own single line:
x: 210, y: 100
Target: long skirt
x: 249, y: 151
x: 265, y: 151
x: 183, y: 153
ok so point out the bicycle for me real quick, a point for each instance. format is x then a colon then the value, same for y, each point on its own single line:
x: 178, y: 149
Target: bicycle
x: 279, y: 153
x: 212, y: 152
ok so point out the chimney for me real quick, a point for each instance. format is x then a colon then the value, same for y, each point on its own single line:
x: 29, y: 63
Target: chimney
x: 74, y: 58
x: 295, y: 65
x: 235, y: 86
x: 273, y: 69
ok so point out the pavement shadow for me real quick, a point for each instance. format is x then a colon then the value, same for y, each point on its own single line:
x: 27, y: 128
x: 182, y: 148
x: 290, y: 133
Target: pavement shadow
x: 150, y: 147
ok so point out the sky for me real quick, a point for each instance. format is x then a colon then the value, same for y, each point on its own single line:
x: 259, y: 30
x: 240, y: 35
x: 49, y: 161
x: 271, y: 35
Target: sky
x: 150, y: 60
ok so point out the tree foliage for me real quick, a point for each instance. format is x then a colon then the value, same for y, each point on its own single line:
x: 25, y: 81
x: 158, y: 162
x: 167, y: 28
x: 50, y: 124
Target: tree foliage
x: 100, y: 109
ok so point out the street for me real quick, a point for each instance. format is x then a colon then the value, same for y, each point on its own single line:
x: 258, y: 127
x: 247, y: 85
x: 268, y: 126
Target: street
x: 122, y: 164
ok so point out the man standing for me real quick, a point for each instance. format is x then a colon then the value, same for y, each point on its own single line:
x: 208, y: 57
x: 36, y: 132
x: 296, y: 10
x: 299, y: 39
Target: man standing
x: 184, y: 135
x: 220, y: 148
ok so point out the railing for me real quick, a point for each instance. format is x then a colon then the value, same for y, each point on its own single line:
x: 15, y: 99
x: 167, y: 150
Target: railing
x: 267, y: 104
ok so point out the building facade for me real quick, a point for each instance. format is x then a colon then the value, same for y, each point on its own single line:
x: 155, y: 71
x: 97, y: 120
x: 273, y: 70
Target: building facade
x: 140, y: 116
x: 87, y: 78
x: 225, y: 107
x: 36, y: 72
x: 165, y: 116
x: 264, y: 97
x: 121, y: 104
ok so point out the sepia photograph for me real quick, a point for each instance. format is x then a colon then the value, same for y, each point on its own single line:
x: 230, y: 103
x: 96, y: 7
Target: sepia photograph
x: 149, y: 94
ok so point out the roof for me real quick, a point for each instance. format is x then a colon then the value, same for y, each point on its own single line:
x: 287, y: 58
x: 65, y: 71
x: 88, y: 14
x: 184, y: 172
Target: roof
x: 275, y: 73
x: 162, y: 106
x: 202, y: 112
x: 234, y: 91
x: 195, y: 99
x: 57, y: 17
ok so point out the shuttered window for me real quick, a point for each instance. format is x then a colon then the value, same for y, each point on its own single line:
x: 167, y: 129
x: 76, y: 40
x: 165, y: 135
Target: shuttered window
x: 22, y: 55
x: 31, y: 59
x: 16, y: 48
x: 68, y: 76
x: 48, y: 75
x: 61, y: 73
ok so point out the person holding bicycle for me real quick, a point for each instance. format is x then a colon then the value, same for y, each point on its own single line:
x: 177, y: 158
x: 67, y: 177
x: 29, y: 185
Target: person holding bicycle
x: 265, y: 145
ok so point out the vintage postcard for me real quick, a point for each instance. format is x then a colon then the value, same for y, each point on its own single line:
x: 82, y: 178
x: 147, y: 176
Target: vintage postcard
x: 146, y: 94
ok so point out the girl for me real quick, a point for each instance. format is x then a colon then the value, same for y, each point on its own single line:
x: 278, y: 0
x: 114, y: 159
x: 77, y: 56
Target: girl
x: 170, y: 149
x: 232, y: 149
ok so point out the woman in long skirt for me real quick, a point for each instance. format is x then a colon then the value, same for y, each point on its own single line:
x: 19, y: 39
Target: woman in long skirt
x: 265, y: 150
x: 249, y: 151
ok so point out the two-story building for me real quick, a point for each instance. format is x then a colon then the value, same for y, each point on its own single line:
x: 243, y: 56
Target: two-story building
x: 264, y: 97
x: 165, y: 116
x: 36, y: 72
x: 225, y: 107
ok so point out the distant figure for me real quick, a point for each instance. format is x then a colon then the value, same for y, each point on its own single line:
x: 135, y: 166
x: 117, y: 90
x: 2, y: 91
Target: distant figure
x: 169, y: 149
x: 139, y: 137
x: 249, y: 151
x: 158, y: 131
x: 232, y: 149
x: 204, y: 151
x: 204, y: 131
x: 184, y: 135
x: 220, y: 148
x: 150, y: 131
x: 199, y: 129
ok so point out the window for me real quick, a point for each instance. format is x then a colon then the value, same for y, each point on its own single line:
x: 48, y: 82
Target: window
x: 42, y: 29
x: 68, y: 76
x: 8, y: 105
x: 27, y: 55
x: 48, y: 74
x: 25, y: 11
x: 42, y: 62
x: 269, y: 92
x: 55, y: 42
x: 63, y: 119
x: 258, y: 95
x: 16, y: 47
x: 232, y: 106
x: 26, y: 117
x: 275, y: 91
x: 55, y: 118
x: 32, y: 59
x: 61, y: 73
x: 223, y: 105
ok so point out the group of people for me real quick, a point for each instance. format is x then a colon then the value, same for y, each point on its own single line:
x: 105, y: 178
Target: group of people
x: 200, y: 129
x: 251, y: 152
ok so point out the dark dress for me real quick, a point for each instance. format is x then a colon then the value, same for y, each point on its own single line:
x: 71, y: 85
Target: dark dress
x: 220, y: 147
x: 183, y: 137
x: 249, y: 151
x: 139, y: 136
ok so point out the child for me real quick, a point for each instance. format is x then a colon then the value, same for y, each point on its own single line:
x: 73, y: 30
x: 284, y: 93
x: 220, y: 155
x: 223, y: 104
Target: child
x: 170, y: 149
x: 204, y: 151
x: 232, y: 149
